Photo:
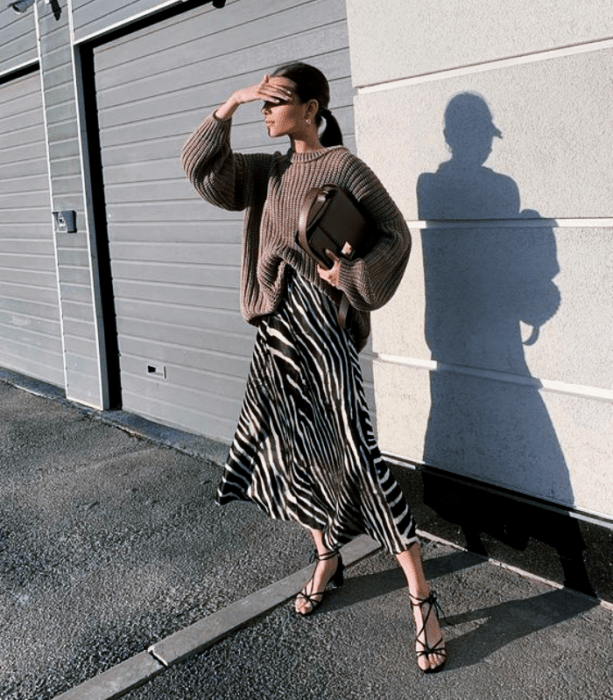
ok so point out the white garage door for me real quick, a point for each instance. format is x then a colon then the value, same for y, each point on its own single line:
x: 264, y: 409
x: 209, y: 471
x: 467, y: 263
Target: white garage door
x: 184, y: 347
x: 30, y: 331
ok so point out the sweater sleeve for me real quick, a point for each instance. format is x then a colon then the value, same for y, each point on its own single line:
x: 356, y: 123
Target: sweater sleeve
x: 370, y: 282
x: 221, y: 177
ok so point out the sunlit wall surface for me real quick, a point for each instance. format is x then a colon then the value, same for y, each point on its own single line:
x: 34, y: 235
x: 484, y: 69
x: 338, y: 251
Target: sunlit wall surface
x: 489, y: 124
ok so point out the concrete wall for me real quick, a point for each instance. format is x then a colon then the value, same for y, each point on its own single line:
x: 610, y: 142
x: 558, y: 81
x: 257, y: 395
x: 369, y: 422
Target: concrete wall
x: 495, y: 357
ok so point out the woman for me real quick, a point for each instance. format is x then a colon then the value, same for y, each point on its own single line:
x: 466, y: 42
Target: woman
x: 304, y: 448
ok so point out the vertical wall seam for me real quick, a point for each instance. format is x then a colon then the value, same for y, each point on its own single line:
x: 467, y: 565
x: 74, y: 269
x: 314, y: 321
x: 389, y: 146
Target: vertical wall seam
x: 51, y: 199
x: 96, y: 303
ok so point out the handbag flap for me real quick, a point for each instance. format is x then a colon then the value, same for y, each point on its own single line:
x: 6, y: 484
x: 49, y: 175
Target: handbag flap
x: 329, y: 219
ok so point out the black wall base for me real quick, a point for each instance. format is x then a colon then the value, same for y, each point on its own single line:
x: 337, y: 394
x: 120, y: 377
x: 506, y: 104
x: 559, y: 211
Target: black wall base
x: 561, y: 546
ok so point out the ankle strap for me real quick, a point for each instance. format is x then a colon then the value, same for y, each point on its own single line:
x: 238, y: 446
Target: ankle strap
x: 331, y: 554
x: 431, y: 600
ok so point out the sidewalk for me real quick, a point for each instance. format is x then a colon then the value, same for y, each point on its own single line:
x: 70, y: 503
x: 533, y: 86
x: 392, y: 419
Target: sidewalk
x: 111, y: 543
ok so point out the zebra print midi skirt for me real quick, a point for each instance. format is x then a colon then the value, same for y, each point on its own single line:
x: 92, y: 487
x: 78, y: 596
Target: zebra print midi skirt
x: 304, y: 448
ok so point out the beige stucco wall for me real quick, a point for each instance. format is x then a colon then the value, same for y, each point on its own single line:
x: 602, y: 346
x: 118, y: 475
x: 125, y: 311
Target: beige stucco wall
x: 504, y: 242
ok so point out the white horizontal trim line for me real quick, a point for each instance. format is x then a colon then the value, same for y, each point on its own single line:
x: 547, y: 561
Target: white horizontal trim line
x: 126, y: 21
x: 155, y: 10
x: 512, y: 223
x: 550, y: 385
x: 494, y: 64
x: 21, y: 66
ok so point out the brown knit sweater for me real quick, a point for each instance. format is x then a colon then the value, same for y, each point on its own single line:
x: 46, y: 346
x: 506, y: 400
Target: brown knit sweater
x: 270, y: 189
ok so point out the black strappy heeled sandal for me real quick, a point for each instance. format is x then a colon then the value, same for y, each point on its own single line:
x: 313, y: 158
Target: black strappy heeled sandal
x: 314, y: 599
x: 439, y: 648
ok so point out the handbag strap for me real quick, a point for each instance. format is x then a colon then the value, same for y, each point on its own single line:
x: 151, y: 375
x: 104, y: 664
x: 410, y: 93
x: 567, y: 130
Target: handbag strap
x: 344, y: 309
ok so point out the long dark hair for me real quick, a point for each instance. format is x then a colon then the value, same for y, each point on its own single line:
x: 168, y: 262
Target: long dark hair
x: 312, y: 84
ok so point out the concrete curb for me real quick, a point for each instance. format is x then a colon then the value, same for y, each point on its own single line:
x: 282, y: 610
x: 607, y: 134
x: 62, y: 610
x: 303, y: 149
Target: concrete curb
x: 117, y: 681
x: 136, y: 671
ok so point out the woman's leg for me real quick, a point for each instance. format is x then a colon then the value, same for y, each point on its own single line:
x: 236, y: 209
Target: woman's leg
x: 419, y: 589
x: 324, y: 571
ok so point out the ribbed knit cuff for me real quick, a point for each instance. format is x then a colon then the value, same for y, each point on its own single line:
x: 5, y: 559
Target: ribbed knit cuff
x: 219, y: 119
x: 214, y: 130
x: 348, y: 280
x: 207, y: 139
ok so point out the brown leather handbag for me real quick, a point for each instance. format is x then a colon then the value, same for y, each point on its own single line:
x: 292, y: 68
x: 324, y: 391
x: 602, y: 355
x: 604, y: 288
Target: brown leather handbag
x: 330, y: 220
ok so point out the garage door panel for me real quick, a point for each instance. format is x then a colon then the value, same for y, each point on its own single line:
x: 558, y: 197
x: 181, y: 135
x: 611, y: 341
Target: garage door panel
x: 28, y: 167
x: 200, y: 338
x: 163, y: 213
x: 21, y: 115
x: 165, y: 149
x: 137, y: 388
x: 28, y: 146
x: 150, y: 133
x: 209, y: 297
x: 191, y: 419
x: 28, y: 265
x: 35, y: 183
x: 21, y: 100
x: 189, y: 232
x: 195, y: 358
x: 184, y: 40
x: 177, y: 116
x: 166, y: 114
x: 173, y: 314
x: 175, y: 259
x: 25, y: 245
x: 146, y: 192
x: 311, y: 44
x: 17, y: 313
x: 35, y: 216
x: 147, y: 138
x: 17, y: 301
x: 218, y: 75
x: 222, y: 387
x: 195, y: 275
x: 45, y: 279
x: 171, y: 252
x: 34, y: 350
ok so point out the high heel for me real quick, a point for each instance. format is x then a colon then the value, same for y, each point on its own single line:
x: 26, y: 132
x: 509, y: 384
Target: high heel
x: 439, y: 648
x: 314, y: 599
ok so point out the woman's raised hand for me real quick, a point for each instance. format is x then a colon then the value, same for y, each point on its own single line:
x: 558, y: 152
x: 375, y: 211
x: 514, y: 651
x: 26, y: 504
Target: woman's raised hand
x: 268, y: 89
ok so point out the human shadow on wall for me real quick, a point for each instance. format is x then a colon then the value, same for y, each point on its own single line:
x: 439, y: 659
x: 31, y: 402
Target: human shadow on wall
x: 489, y: 290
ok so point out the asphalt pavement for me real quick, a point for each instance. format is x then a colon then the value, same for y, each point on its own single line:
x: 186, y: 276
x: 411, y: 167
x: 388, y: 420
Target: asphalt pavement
x: 118, y: 570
